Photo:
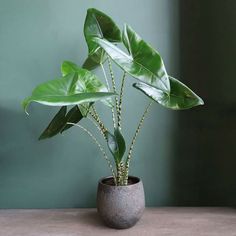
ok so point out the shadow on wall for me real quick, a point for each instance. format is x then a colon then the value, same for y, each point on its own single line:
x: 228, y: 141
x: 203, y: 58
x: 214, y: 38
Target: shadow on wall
x: 41, y: 174
x: 204, y: 172
x: 20, y: 157
x: 22, y: 160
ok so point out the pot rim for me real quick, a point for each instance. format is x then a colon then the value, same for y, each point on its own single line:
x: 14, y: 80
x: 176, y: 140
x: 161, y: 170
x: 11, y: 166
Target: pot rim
x: 138, y: 181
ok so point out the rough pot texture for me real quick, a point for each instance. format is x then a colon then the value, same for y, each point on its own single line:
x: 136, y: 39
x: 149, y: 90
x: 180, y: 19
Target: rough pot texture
x: 120, y: 207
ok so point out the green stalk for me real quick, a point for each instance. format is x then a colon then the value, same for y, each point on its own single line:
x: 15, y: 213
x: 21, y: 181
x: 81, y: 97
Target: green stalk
x: 133, y: 142
x: 99, y: 146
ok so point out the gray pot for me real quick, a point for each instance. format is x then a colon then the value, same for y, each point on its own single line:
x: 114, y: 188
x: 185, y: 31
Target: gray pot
x: 120, y: 207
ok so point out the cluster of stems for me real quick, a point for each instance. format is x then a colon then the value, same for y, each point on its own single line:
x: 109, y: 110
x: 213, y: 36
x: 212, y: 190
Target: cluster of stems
x: 121, y: 174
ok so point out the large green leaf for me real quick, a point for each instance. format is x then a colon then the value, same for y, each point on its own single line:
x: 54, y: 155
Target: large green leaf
x: 73, y: 116
x: 180, y: 96
x: 98, y: 24
x: 90, y: 64
x: 142, y: 62
x: 59, y: 122
x: 56, y: 125
x: 69, y: 67
x: 116, y: 144
x: 74, y: 88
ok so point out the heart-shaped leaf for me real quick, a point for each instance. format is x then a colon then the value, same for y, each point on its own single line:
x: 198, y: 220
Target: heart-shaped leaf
x: 75, y: 88
x: 180, y: 96
x: 69, y: 67
x: 98, y: 24
x: 116, y: 144
x: 142, y: 62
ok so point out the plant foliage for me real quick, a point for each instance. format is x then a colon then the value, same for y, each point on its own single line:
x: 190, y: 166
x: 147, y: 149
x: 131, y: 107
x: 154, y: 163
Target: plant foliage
x: 82, y: 89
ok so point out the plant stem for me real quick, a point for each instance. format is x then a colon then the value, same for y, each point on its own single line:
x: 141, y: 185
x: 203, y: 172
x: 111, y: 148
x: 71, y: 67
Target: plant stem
x: 120, y: 101
x: 96, y: 124
x: 100, y: 147
x: 114, y: 89
x: 105, y: 75
x: 120, y: 173
x: 108, y: 86
x: 96, y: 117
x: 134, y: 140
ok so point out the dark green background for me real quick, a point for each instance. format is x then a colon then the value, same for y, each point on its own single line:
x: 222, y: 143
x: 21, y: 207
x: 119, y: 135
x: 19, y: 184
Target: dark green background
x: 183, y: 158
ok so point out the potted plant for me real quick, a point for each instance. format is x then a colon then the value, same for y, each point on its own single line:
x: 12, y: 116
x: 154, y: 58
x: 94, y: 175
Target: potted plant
x: 120, y: 197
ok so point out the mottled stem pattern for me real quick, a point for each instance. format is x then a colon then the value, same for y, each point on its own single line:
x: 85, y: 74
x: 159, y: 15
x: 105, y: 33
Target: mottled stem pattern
x: 113, y: 87
x: 96, y: 124
x: 105, y: 75
x: 120, y: 173
x: 133, y: 142
x: 108, y: 86
x: 100, y: 147
x: 98, y: 120
x: 120, y: 101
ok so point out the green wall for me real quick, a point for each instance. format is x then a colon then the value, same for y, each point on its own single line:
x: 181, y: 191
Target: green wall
x: 35, y: 37
x: 184, y: 158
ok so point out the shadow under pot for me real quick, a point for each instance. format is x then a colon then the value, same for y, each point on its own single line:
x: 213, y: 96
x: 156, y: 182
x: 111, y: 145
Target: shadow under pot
x: 120, y: 207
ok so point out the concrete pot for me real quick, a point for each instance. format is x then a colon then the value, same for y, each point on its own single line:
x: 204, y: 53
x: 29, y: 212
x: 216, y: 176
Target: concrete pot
x: 120, y: 207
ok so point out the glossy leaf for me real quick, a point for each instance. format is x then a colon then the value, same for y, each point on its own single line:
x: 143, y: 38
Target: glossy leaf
x: 60, y: 120
x: 142, y: 62
x: 180, y: 96
x: 113, y: 145
x: 76, y: 113
x: 69, y: 67
x: 56, y: 125
x: 84, y: 108
x: 121, y: 143
x: 75, y: 88
x: 116, y: 144
x: 98, y: 24
x: 73, y: 116
x: 90, y: 64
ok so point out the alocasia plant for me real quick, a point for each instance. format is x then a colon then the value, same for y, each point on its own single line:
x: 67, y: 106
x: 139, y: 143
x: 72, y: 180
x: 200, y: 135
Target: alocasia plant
x: 81, y: 88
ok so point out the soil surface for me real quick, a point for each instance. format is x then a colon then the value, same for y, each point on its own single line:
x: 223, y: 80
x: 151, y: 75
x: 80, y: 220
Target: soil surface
x: 110, y: 181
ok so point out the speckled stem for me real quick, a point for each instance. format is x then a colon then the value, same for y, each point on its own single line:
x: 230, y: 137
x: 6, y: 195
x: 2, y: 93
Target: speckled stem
x: 105, y: 75
x: 133, y: 142
x: 120, y: 101
x: 99, y: 122
x: 99, y: 146
x: 108, y: 86
x: 114, y: 89
x: 96, y: 124
x: 120, y: 171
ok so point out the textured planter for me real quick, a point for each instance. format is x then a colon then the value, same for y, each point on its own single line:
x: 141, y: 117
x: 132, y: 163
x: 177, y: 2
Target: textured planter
x: 120, y: 207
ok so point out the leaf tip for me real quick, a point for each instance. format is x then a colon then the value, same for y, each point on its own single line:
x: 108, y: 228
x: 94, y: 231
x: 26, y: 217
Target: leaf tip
x: 25, y: 104
x: 201, y: 102
x: 41, y: 137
